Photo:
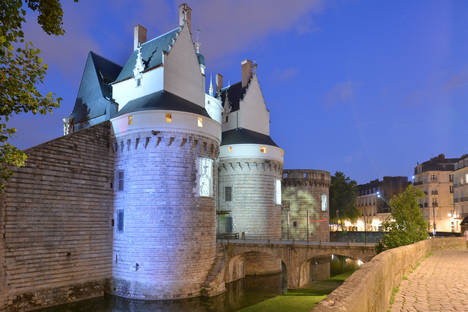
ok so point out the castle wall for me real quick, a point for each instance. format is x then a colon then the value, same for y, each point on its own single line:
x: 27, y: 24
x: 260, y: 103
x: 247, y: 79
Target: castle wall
x: 252, y: 206
x: 302, y: 192
x: 165, y: 242
x: 56, y: 222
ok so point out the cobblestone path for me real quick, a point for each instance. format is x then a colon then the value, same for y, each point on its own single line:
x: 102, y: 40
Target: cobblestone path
x: 439, y: 283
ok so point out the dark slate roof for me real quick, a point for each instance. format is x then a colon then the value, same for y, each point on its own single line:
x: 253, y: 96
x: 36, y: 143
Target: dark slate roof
x: 93, y: 99
x: 439, y: 163
x: 245, y: 136
x: 235, y: 93
x: 151, y: 53
x: 162, y: 100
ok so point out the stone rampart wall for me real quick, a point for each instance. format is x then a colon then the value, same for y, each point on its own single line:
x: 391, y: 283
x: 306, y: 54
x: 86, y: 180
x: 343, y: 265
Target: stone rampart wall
x: 56, y: 222
x: 370, y: 288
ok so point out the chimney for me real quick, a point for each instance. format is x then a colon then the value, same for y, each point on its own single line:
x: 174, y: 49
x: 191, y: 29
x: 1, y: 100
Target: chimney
x: 139, y: 36
x: 185, y: 16
x: 247, y: 69
x: 219, y: 82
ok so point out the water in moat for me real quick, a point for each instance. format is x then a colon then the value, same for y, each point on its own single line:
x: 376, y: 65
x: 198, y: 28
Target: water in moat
x: 239, y: 294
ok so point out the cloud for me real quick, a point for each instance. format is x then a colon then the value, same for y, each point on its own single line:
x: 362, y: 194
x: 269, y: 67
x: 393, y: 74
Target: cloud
x: 341, y: 92
x: 284, y: 73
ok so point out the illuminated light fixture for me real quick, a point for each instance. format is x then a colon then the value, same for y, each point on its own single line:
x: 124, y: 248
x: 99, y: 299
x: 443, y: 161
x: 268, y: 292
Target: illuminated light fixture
x: 168, y: 117
x: 378, y: 194
x: 230, y: 149
x: 359, y: 262
x: 130, y: 119
x: 200, y: 122
x: 449, y: 214
x: 263, y: 149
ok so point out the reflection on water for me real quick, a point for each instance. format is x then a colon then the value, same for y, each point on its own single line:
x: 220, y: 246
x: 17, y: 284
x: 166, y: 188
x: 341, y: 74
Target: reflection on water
x: 239, y: 294
x: 342, y: 264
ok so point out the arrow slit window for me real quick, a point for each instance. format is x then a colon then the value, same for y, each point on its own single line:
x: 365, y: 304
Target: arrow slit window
x: 205, y: 177
x: 324, y: 202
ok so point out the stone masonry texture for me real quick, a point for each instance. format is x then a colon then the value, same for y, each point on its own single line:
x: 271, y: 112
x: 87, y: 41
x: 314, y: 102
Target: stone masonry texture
x: 253, y: 208
x: 386, y: 271
x: 302, y: 192
x: 439, y: 283
x: 56, y: 222
x: 167, y: 243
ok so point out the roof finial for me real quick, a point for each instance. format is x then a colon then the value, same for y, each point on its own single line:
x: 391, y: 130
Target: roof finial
x: 210, y: 90
x: 139, y: 67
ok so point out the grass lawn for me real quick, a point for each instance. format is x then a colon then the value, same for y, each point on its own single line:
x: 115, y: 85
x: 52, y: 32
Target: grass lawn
x: 299, y: 300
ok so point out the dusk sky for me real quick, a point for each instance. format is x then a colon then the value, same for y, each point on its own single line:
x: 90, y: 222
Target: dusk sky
x: 364, y: 87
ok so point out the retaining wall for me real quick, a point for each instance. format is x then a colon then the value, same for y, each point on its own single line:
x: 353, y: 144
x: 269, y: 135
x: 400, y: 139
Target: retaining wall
x: 370, y: 288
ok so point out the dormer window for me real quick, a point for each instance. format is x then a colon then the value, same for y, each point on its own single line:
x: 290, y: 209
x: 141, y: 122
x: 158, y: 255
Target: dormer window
x: 168, y: 117
x: 200, y: 122
x: 263, y: 149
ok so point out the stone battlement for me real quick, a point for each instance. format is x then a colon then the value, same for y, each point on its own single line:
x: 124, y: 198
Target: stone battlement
x: 295, y: 177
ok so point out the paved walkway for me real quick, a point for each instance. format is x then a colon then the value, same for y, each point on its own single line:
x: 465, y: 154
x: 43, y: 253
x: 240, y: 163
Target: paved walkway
x: 439, y: 283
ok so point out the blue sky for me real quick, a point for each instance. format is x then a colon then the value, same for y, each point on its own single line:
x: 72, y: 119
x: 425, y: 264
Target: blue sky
x: 360, y: 86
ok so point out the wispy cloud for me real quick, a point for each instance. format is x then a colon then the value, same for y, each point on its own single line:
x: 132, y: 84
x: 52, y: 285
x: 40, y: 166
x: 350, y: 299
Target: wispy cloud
x: 282, y: 74
x: 341, y: 92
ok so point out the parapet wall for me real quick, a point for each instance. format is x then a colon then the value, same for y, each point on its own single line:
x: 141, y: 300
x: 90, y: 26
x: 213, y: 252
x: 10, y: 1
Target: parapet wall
x: 370, y: 288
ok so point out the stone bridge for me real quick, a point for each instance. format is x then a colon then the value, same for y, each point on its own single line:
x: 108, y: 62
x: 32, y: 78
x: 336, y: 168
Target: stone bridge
x: 302, y: 260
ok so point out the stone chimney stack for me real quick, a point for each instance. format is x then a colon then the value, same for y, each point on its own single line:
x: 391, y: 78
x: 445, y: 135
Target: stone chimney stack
x: 219, y: 82
x: 185, y: 16
x: 139, y: 36
x: 247, y: 70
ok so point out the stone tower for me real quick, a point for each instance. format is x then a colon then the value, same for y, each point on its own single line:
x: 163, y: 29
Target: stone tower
x: 250, y: 163
x: 306, y: 194
x: 166, y: 148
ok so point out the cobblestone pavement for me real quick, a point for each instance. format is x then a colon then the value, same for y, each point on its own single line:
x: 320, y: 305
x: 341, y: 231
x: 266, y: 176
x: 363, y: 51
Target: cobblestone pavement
x: 439, y: 283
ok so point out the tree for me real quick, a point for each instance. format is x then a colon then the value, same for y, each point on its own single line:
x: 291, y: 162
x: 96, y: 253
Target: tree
x: 343, y: 193
x: 407, y: 224
x: 22, y: 71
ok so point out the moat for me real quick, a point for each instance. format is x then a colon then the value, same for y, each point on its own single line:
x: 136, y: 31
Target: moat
x: 240, y: 294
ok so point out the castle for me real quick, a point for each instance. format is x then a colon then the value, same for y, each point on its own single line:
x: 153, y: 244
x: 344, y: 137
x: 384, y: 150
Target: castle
x: 151, y: 169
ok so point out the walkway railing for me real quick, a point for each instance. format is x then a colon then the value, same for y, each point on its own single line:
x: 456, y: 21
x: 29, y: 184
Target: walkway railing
x: 293, y: 242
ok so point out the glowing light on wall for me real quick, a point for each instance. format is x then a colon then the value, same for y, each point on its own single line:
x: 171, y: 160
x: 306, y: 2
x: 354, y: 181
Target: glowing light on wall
x: 263, y: 149
x: 200, y: 122
x: 205, y: 171
x: 130, y: 119
x: 168, y: 117
x: 324, y: 202
x: 230, y: 149
x: 278, y: 191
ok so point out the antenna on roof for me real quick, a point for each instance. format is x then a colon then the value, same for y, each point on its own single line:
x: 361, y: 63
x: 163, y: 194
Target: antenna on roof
x: 197, y: 40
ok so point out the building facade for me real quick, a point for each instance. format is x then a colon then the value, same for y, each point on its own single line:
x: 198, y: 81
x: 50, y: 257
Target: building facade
x: 373, y: 202
x: 305, y: 205
x: 460, y: 194
x: 435, y: 178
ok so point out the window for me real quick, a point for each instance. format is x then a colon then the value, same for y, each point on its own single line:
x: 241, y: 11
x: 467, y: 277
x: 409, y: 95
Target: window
x: 228, y: 193
x: 120, y: 183
x: 120, y: 220
x: 227, y: 118
x: 168, y: 117
x: 263, y: 149
x: 278, y: 191
x: 450, y: 177
x: 451, y: 188
x: 295, y: 223
x: 205, y: 171
x: 435, y: 192
x: 230, y: 149
x: 433, y: 177
x: 130, y: 119
x: 466, y: 178
x: 324, y: 202
x: 200, y: 122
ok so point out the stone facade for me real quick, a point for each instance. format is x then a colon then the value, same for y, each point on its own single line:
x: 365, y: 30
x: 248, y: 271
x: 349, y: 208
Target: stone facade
x: 252, y: 205
x: 435, y: 178
x: 56, y: 222
x: 305, y: 193
x: 166, y: 244
x: 460, y: 193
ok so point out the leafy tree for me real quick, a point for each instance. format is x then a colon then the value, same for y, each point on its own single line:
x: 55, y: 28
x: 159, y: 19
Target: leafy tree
x: 343, y: 193
x: 22, y: 71
x: 407, y: 224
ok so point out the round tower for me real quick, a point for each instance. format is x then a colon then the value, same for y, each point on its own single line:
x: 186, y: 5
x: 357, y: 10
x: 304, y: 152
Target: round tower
x: 164, y: 229
x: 306, y: 194
x: 250, y: 170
